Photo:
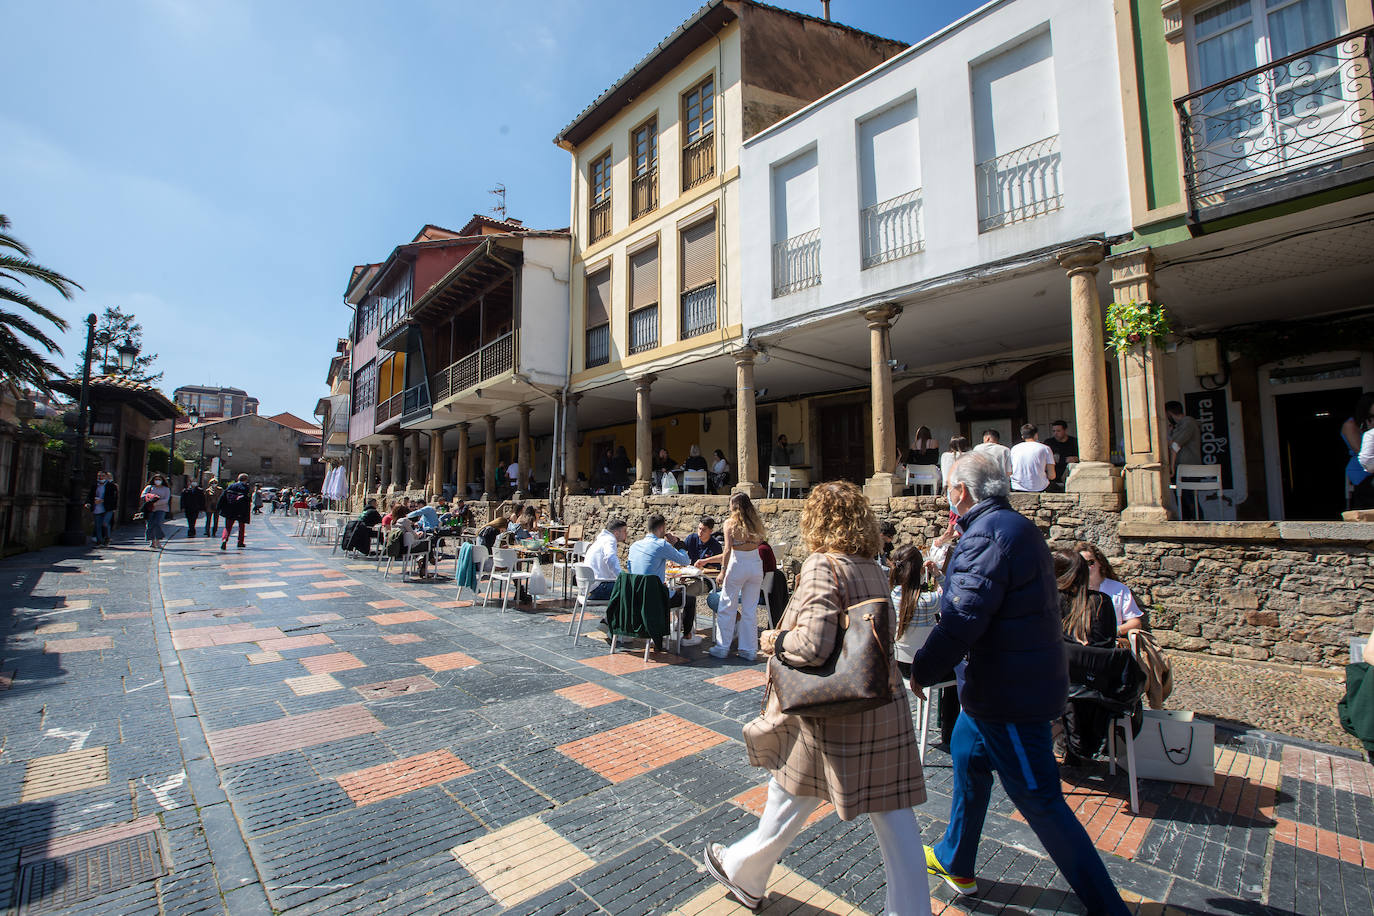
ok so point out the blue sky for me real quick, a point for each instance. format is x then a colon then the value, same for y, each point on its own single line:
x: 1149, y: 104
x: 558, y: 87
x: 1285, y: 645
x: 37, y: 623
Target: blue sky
x: 216, y: 166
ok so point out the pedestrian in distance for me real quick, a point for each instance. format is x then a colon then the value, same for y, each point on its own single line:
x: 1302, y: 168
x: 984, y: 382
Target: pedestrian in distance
x: 740, y: 580
x: 1000, y: 609
x: 861, y: 762
x: 103, y: 501
x: 157, y: 499
x: 235, y: 505
x: 192, y: 504
x: 213, y: 491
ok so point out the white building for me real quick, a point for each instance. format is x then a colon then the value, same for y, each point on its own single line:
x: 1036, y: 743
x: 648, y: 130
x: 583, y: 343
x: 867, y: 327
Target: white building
x: 927, y: 218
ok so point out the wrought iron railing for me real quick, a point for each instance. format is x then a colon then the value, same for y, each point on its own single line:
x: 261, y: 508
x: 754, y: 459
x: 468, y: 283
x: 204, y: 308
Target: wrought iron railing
x: 599, y: 220
x: 415, y: 399
x: 644, y: 193
x: 700, y: 313
x: 598, y: 346
x: 478, y: 366
x: 389, y: 408
x: 1299, y: 113
x: 797, y: 263
x: 892, y: 229
x: 1019, y: 185
x: 644, y: 329
x: 698, y: 161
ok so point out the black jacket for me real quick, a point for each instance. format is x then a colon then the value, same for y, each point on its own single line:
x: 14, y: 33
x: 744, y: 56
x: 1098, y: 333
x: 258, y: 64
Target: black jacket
x: 111, y: 496
x: 193, y: 500
x: 236, y: 502
x: 1001, y: 609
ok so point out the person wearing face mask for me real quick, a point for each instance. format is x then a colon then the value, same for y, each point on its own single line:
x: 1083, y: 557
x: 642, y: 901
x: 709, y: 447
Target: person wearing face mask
x: 156, y: 498
x: 1000, y: 609
x: 103, y: 501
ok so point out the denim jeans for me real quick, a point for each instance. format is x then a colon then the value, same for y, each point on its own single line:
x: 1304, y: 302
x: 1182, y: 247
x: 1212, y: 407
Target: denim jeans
x: 1023, y: 757
x: 153, y: 531
x: 103, y: 524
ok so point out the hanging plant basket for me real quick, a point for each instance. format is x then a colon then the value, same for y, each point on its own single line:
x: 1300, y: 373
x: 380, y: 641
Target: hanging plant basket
x: 1132, y: 324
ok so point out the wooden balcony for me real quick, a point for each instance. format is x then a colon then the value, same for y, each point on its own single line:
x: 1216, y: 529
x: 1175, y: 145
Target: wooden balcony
x: 698, y: 161
x: 644, y: 193
x: 599, y: 220
x: 479, y: 366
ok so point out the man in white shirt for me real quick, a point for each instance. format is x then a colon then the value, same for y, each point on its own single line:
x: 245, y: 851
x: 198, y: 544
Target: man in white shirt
x: 1032, y: 462
x: 992, y: 447
x: 604, y: 558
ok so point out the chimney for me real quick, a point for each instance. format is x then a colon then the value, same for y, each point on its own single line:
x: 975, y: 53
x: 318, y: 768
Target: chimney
x: 825, y: 9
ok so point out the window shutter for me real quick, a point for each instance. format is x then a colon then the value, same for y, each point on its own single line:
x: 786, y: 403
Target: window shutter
x: 644, y: 278
x: 699, y: 254
x: 599, y: 298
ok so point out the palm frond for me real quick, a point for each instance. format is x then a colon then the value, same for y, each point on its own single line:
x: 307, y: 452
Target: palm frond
x: 26, y: 268
x: 27, y: 301
x: 9, y: 241
x: 24, y: 326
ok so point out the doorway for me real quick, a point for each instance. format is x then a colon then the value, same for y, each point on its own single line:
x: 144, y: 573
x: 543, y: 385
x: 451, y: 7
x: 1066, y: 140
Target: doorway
x: 843, y: 455
x: 1312, y: 454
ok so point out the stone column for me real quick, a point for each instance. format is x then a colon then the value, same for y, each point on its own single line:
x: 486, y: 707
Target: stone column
x: 414, y: 480
x: 570, y: 484
x: 1142, y: 399
x: 489, y: 468
x: 644, y: 438
x: 462, y: 461
x: 1094, y: 473
x: 436, y: 463
x: 746, y: 435
x: 522, y: 452
x: 398, y: 462
x: 884, y: 484
x: 388, y: 450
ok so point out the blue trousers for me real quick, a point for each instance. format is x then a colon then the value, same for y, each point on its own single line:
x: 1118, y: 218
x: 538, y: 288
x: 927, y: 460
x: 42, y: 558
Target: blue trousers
x: 1023, y: 757
x: 102, y: 526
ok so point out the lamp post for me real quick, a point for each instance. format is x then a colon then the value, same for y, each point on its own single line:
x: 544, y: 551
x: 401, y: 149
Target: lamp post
x: 218, y: 443
x: 193, y: 418
x: 75, y: 533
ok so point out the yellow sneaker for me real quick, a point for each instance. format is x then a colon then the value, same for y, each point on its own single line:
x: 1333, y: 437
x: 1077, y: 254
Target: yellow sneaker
x: 955, y: 883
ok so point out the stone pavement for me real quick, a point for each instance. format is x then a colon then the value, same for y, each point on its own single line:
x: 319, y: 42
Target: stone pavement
x: 279, y: 729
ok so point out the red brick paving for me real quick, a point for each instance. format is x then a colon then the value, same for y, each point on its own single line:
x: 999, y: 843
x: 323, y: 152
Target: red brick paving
x: 383, y: 605
x: 223, y: 635
x: 323, y: 595
x: 89, y: 839
x: 334, y: 661
x: 448, y: 661
x: 294, y: 642
x: 1325, y: 842
x: 1326, y: 770
x: 628, y: 751
x: 753, y: 800
x: 388, y: 620
x: 262, y: 739
x: 388, y: 780
x: 742, y: 680
x: 1107, y: 817
x: 124, y: 615
x: 400, y: 686
x: 625, y: 662
x: 588, y: 695
x: 397, y: 639
x: 320, y: 618
x: 452, y: 604
x: 79, y: 644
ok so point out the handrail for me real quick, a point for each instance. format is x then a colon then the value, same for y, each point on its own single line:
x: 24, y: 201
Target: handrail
x: 1274, y: 64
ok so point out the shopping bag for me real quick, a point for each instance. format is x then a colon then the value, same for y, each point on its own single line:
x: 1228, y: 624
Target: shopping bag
x: 1172, y: 746
x: 538, y: 584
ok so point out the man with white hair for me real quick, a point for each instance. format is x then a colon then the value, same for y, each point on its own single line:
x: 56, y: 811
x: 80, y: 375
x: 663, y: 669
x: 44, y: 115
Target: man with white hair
x: 1000, y: 608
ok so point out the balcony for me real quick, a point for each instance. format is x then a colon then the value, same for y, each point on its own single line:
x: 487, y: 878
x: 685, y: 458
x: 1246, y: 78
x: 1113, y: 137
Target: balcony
x: 644, y: 329
x: 415, y: 403
x: 892, y: 229
x: 1287, y: 126
x: 644, y: 193
x: 1019, y: 185
x: 479, y: 366
x: 698, y: 161
x: 389, y: 409
x: 797, y: 263
x: 699, y: 311
x: 599, y: 220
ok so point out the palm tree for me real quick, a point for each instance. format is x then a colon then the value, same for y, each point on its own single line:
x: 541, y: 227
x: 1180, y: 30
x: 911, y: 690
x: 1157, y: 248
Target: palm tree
x: 21, y: 362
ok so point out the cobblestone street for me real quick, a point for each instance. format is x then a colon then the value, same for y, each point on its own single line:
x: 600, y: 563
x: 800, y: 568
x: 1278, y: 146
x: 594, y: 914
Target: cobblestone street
x: 279, y: 729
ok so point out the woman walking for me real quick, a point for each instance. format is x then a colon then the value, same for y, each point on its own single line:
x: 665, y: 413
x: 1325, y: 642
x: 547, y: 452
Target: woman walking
x: 862, y: 763
x: 157, y: 499
x: 740, y: 579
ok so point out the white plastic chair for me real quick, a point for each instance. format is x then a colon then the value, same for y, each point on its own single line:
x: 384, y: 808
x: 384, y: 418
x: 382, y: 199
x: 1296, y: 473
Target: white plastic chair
x: 921, y: 476
x: 418, y: 549
x: 563, y: 567
x: 1197, y: 479
x: 1125, y: 723
x: 479, y: 562
x: 764, y: 615
x: 786, y: 479
x: 915, y: 640
x: 695, y: 479
x: 586, y: 581
x: 504, y: 571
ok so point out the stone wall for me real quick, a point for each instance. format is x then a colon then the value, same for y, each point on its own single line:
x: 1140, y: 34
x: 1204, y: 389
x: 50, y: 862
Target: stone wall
x: 1284, y: 592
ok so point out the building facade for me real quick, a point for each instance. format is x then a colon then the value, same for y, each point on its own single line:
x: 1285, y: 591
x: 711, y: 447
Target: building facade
x: 212, y: 402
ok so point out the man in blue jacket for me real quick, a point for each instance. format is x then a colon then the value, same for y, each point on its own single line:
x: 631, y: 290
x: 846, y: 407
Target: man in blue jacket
x: 1001, y: 610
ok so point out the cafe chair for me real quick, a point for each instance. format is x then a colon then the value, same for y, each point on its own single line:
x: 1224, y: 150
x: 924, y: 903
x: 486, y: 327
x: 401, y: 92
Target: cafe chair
x: 923, y: 476
x: 1200, y: 479
x: 504, y: 570
x: 586, y: 581
x: 785, y: 479
x: 695, y: 479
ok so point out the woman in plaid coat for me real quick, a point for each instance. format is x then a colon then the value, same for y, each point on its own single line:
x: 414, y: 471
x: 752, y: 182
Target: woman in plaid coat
x: 865, y: 763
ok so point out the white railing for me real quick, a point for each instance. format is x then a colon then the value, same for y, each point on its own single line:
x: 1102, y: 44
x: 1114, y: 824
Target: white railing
x: 797, y: 263
x: 892, y: 229
x: 1020, y: 185
x: 644, y: 329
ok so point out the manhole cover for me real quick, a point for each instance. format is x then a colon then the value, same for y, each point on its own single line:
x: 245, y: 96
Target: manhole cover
x: 52, y: 884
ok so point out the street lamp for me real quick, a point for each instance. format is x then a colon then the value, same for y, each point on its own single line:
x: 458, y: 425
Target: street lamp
x: 193, y: 418
x: 218, y: 443
x: 128, y: 353
x: 75, y: 533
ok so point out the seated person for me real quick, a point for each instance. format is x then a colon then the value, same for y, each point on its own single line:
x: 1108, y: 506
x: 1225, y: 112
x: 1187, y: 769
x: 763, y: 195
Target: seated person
x: 701, y: 545
x: 887, y: 531
x: 1129, y: 616
x: 650, y: 555
x: 720, y: 471
x: 491, y: 531
x: 1088, y: 621
x: 523, y: 528
x: 370, y: 516
x: 604, y: 559
x: 411, y: 536
x: 426, y: 517
x: 694, y: 460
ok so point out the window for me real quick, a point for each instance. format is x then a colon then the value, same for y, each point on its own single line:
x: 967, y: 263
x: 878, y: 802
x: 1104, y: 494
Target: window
x: 365, y: 388
x: 890, y: 175
x: 698, y: 134
x: 1239, y: 35
x: 698, y: 276
x: 644, y: 188
x: 644, y: 300
x: 599, y: 213
x: 266, y: 463
x: 599, y: 318
x: 796, y: 224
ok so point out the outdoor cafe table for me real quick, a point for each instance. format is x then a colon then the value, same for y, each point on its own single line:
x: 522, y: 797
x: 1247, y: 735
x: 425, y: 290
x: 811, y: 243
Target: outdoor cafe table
x: 532, y: 554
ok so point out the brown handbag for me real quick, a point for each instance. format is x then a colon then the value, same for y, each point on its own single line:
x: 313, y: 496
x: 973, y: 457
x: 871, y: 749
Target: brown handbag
x: 856, y: 678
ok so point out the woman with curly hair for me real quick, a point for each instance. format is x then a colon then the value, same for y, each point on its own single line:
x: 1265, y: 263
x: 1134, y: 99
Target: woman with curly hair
x: 740, y: 579
x: 862, y: 763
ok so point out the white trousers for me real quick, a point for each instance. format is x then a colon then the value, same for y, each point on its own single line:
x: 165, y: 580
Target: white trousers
x: 739, y: 593
x: 749, y: 862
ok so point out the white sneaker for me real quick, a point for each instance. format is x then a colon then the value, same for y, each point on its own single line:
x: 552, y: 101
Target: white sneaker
x: 692, y: 641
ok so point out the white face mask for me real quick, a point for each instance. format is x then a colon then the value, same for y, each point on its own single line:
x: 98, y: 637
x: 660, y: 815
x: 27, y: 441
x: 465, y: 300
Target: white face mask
x: 157, y: 481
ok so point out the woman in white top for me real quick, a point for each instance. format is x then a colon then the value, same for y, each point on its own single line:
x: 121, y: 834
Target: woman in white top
x: 740, y: 580
x: 1101, y: 578
x: 957, y: 446
x: 157, y: 499
x: 720, y: 471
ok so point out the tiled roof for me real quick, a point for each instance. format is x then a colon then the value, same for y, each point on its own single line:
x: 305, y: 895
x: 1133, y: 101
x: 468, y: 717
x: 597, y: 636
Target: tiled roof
x: 150, y: 400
